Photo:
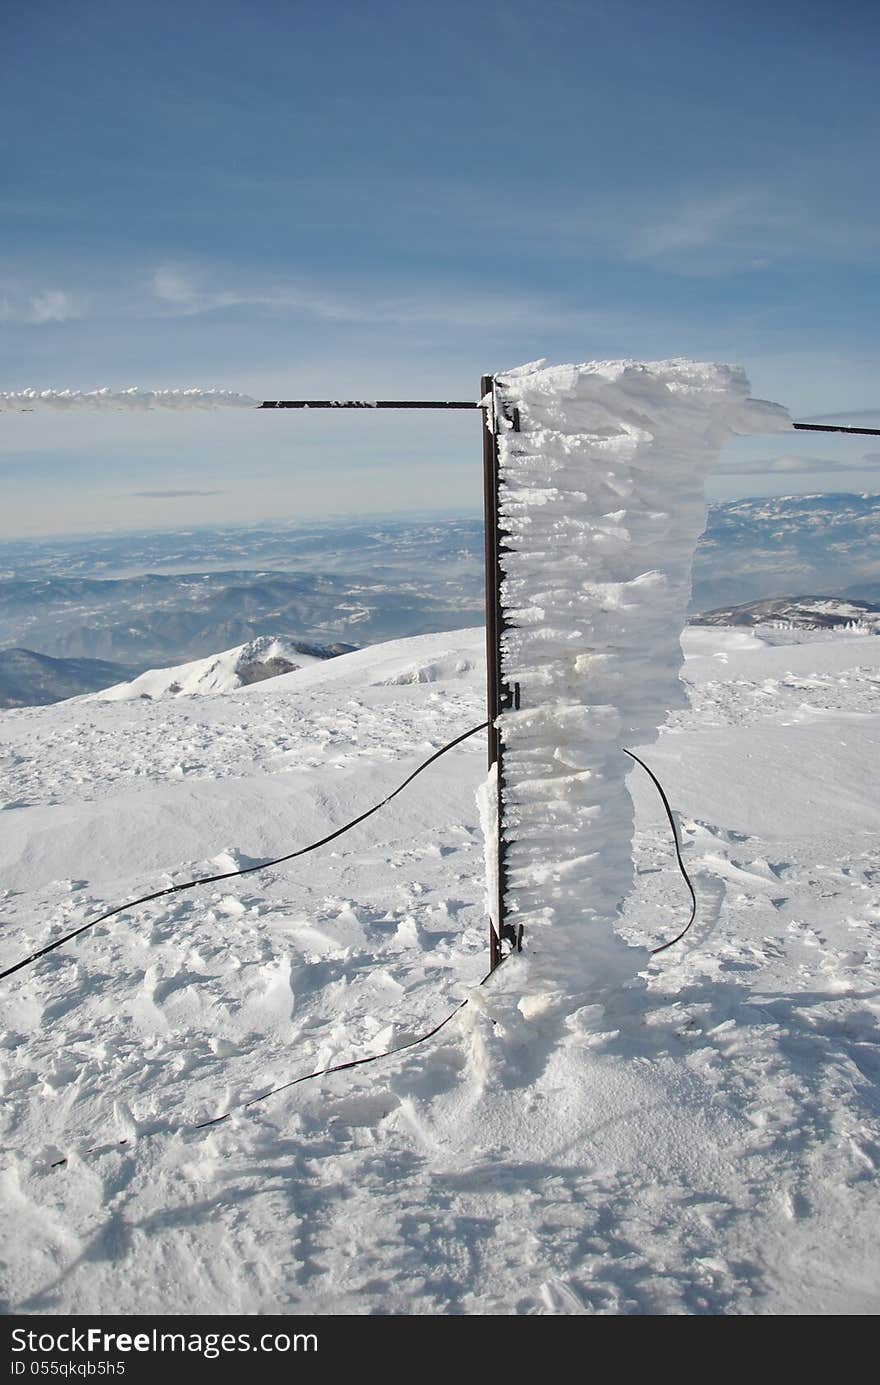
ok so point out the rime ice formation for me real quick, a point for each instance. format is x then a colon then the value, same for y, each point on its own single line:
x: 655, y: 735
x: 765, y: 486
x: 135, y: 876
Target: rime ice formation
x: 601, y: 503
x: 487, y: 807
x: 134, y: 398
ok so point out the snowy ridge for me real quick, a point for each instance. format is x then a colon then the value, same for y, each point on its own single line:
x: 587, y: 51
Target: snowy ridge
x: 254, y: 662
x: 601, y: 503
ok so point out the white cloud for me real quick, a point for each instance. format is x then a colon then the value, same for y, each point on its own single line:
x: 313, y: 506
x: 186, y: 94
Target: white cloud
x: 857, y: 417
x: 203, y: 291
x: 756, y: 228
x: 193, y: 291
x: 700, y: 222
x: 174, y: 287
x: 706, y: 228
x: 23, y: 308
x: 794, y: 464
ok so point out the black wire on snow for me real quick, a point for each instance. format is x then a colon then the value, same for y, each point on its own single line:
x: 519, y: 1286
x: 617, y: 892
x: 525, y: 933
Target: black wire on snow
x: 353, y: 1063
x: 246, y: 870
x: 681, y: 866
x: 304, y: 1077
x: 410, y: 1043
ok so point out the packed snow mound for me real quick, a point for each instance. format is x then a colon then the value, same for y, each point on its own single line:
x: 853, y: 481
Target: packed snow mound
x: 457, y: 656
x: 450, y: 664
x: 255, y: 662
x: 601, y: 501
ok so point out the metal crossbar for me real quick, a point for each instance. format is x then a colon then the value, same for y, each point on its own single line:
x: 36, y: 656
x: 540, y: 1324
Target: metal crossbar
x: 368, y: 404
x: 470, y: 404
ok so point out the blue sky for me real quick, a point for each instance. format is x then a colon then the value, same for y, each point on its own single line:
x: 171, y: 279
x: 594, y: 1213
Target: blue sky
x: 388, y: 199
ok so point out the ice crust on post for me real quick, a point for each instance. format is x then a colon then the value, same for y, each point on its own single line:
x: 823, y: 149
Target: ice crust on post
x: 601, y: 504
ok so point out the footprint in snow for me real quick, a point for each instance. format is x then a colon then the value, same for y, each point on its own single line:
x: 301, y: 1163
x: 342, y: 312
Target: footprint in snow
x: 364, y: 1110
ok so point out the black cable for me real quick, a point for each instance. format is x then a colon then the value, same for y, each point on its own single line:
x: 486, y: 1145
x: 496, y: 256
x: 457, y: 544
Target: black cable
x: 246, y: 870
x: 353, y: 1063
x: 836, y: 428
x: 369, y: 404
x: 681, y: 865
x: 410, y: 1043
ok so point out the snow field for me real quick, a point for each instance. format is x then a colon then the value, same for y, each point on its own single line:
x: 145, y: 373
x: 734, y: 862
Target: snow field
x: 708, y: 1143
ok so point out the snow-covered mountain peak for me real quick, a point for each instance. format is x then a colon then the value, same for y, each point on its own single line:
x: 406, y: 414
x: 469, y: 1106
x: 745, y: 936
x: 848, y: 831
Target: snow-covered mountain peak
x: 254, y: 662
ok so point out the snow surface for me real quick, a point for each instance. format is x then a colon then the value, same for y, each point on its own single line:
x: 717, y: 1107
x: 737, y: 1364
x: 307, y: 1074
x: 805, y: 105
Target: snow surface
x: 32, y: 399
x: 253, y: 662
x: 708, y: 1144
x: 601, y: 503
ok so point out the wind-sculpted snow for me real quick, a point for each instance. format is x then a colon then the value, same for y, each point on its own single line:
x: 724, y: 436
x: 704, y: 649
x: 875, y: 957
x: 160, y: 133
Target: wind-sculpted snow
x: 601, y: 504
x: 707, y: 1145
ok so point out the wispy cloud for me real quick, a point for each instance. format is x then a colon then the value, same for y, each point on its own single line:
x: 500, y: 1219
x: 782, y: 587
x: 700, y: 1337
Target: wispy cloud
x: 794, y: 464
x: 854, y: 416
x: 172, y: 290
x: 754, y: 226
x: 697, y: 223
x: 19, y: 307
x: 170, y: 495
x: 191, y: 291
x: 696, y: 228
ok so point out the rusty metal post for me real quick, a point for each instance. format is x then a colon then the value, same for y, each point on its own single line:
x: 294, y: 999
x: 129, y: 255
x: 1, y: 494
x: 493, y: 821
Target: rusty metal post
x: 494, y: 628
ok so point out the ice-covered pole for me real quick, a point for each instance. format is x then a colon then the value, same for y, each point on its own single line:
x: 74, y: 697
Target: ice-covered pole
x: 601, y: 477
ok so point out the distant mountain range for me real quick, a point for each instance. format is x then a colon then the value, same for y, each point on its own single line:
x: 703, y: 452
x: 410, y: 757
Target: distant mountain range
x: 157, y: 600
x: 28, y: 679
x: 798, y: 613
x: 31, y: 679
x: 786, y: 544
x: 159, y: 618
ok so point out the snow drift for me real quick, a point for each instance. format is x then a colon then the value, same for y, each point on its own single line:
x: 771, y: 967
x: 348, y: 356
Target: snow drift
x: 601, y: 502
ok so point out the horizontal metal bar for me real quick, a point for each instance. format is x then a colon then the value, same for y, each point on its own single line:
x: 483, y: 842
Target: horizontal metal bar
x: 369, y: 404
x: 835, y: 428
x: 470, y: 404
